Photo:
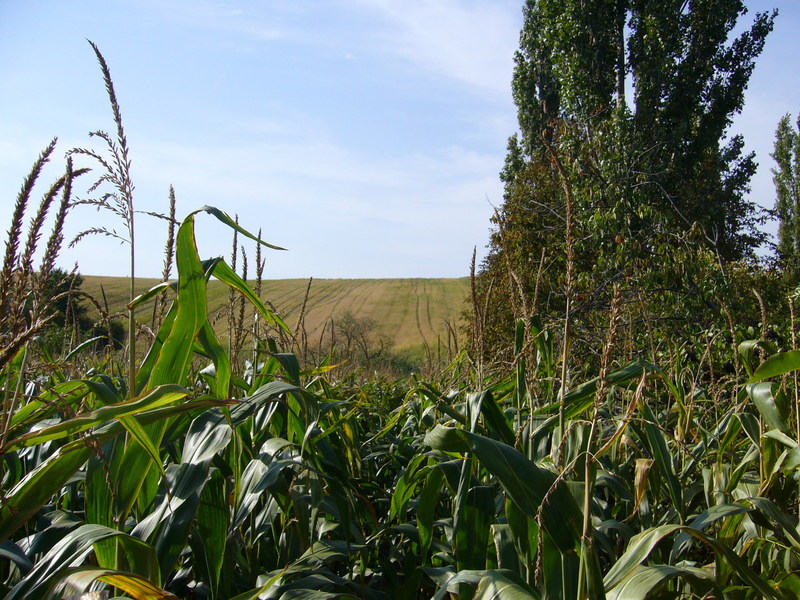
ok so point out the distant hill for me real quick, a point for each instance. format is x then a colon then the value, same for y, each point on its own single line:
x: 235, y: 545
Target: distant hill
x: 413, y: 312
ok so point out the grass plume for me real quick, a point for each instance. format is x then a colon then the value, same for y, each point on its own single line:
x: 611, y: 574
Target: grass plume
x: 115, y: 187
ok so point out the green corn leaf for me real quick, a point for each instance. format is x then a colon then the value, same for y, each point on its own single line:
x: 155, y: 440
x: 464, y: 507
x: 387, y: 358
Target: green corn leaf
x: 641, y: 546
x: 777, y: 364
x: 24, y: 499
x: 728, y: 430
x: 580, y: 398
x: 211, y: 525
x: 208, y: 435
x: 137, y: 432
x: 150, y: 359
x: 495, y: 420
x: 81, y: 347
x: 187, y: 482
x: 259, y: 593
x: 560, y: 572
x: 657, y: 444
x: 700, y: 522
x: 99, y: 499
x: 524, y: 482
x: 222, y: 364
x: 274, y: 391
x: 544, y: 347
x: 227, y: 275
x: 154, y: 291
x: 321, y: 552
x: 473, y: 530
x: 69, y: 392
x: 134, y: 469
x: 747, y: 351
x: 404, y: 488
x: 72, y: 549
x: 173, y: 360
x: 781, y: 437
x: 224, y: 218
x: 426, y: 510
x: 786, y: 525
x: 494, y: 583
x: 498, y: 585
x: 104, y: 391
x: 506, y: 552
x: 257, y: 478
x: 762, y: 395
x: 192, y: 313
x: 290, y: 364
x: 525, y: 534
x: 38, y: 486
x: 13, y: 553
x: 156, y: 398
x: 644, y: 579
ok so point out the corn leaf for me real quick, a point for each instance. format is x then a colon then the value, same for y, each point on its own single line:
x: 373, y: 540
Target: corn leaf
x: 642, y: 545
x: 763, y: 396
x: 136, y: 586
x: 176, y: 353
x: 224, y: 218
x: 227, y: 275
x: 645, y: 579
x: 657, y: 445
x: 524, y: 482
x: 777, y: 364
x: 211, y: 525
x: 156, y: 398
x: 72, y: 549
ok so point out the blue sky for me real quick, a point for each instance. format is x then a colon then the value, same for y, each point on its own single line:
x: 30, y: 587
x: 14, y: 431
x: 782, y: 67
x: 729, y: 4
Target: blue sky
x: 364, y: 135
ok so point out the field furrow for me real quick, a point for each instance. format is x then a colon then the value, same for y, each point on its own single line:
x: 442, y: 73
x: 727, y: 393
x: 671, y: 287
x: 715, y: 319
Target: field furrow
x: 412, y: 312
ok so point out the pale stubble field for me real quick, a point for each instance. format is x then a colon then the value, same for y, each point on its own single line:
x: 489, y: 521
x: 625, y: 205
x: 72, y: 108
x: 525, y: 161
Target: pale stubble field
x: 412, y: 312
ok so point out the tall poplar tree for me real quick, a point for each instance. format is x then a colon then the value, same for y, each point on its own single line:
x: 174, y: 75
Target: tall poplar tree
x: 628, y: 104
x: 786, y: 176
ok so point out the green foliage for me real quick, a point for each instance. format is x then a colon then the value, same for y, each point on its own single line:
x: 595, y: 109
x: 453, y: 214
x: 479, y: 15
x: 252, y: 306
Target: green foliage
x: 71, y: 322
x: 786, y: 176
x: 62, y: 288
x: 574, y: 63
x: 603, y: 189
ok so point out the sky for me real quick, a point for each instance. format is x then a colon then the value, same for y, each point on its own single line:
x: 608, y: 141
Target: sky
x: 365, y: 136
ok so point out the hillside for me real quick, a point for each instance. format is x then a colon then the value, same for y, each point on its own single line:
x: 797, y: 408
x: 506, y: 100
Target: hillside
x: 412, y: 312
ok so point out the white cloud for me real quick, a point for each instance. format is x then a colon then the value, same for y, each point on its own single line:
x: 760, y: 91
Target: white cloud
x: 472, y: 42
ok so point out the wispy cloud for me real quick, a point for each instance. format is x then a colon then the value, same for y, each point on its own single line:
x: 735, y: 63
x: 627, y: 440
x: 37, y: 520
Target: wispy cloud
x: 251, y: 19
x: 463, y: 40
x: 472, y: 42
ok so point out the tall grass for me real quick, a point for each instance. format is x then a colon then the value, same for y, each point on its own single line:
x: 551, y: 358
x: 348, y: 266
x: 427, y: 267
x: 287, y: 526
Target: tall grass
x: 115, y: 186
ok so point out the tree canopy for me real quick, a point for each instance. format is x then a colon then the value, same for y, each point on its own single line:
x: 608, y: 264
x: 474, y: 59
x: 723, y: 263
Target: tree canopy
x: 624, y: 108
x: 786, y: 176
